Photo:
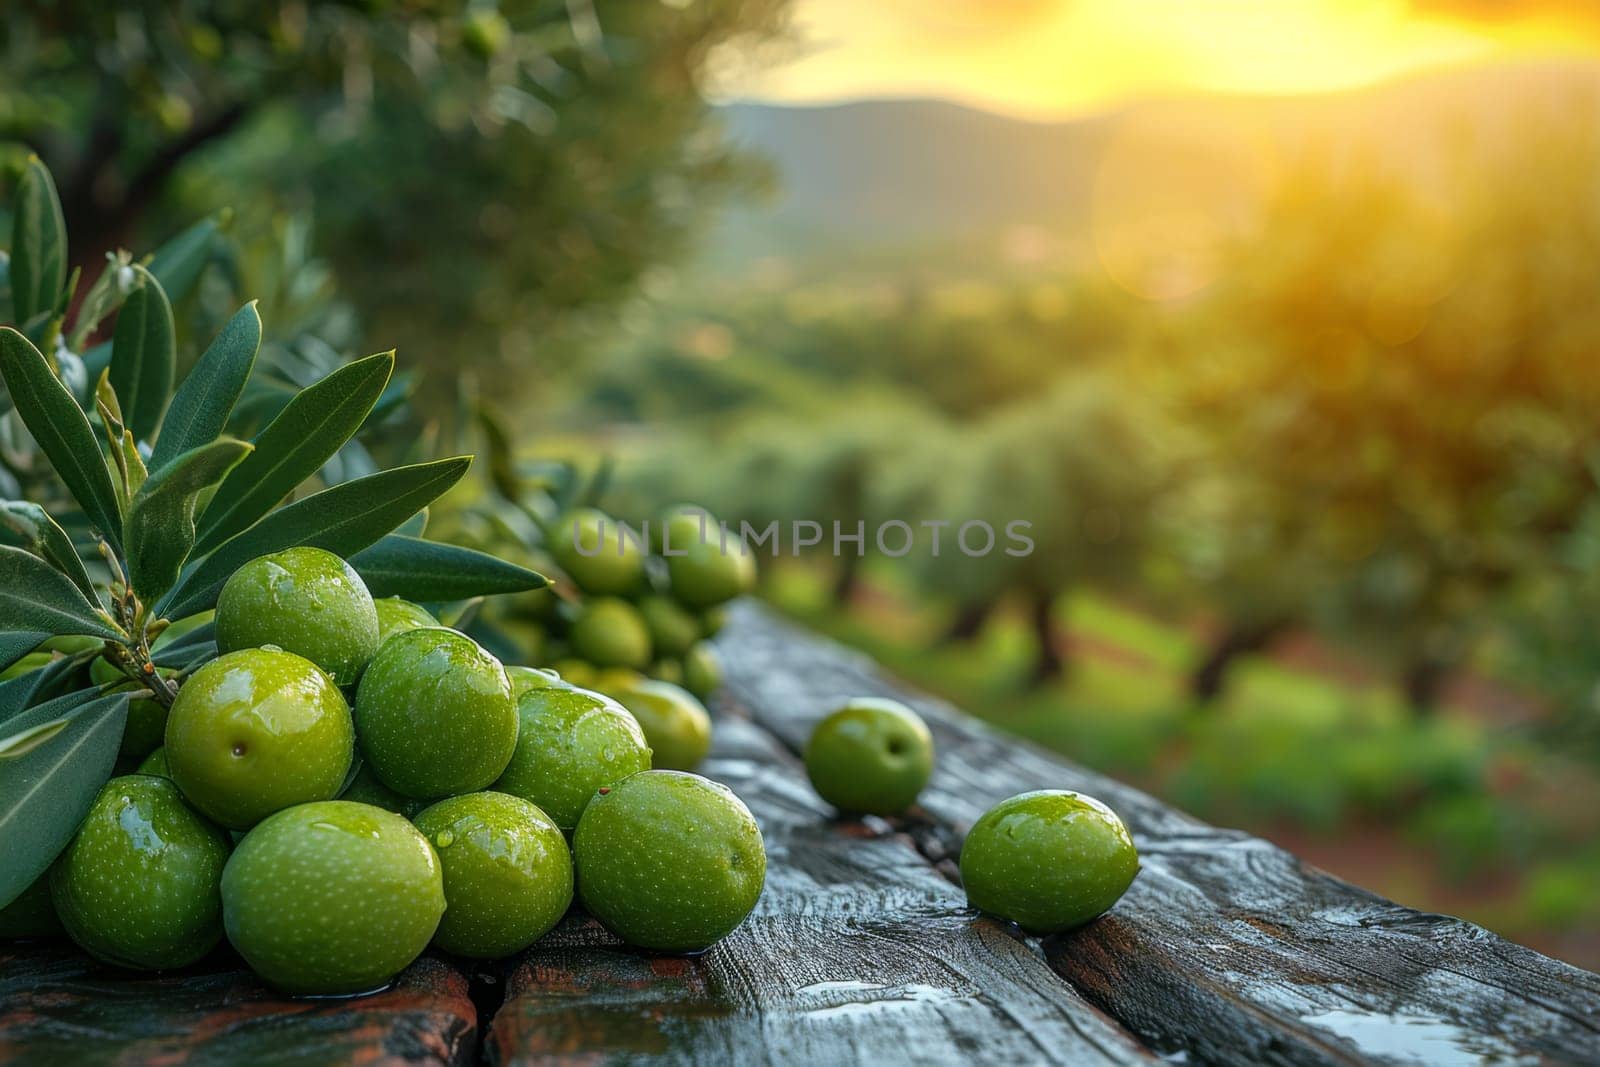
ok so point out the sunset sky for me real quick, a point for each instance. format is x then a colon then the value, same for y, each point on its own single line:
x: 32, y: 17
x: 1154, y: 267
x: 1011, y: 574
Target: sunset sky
x: 1051, y: 58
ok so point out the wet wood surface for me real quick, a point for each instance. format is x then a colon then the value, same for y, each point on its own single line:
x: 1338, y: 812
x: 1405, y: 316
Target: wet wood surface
x: 1226, y: 948
x: 859, y: 952
x: 862, y: 950
x: 59, y: 1007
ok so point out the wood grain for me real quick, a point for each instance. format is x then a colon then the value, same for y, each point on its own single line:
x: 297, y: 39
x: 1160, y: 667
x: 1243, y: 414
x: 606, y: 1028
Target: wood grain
x: 859, y: 952
x: 57, y: 1006
x: 1226, y: 948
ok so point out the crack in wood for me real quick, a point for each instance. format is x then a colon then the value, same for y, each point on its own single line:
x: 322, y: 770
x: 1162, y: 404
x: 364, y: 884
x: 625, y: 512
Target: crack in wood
x: 1226, y: 946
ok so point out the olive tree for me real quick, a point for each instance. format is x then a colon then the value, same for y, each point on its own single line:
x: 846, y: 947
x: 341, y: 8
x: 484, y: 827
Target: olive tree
x: 555, y: 150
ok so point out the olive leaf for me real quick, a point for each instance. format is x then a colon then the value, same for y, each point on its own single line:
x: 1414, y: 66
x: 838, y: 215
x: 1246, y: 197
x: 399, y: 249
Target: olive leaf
x: 47, y: 790
x: 127, y: 464
x: 19, y: 694
x: 20, y: 744
x: 107, y: 293
x: 177, y: 264
x: 429, y: 570
x: 395, y: 394
x: 14, y: 694
x: 502, y: 461
x: 343, y: 519
x: 46, y: 539
x: 144, y: 356
x: 60, y: 676
x: 160, y: 528
x: 415, y: 525
x: 18, y: 643
x: 62, y: 431
x: 36, y: 596
x: 38, y: 244
x: 309, y: 429
x: 183, y: 646
x: 183, y: 657
x: 202, y: 404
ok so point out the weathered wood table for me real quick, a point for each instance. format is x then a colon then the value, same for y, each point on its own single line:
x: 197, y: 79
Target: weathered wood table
x: 1225, y: 950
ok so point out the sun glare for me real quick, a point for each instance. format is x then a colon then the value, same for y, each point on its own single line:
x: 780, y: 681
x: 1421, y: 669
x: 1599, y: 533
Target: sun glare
x: 1052, y: 58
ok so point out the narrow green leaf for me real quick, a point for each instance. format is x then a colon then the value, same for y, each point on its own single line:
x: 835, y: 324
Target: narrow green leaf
x: 36, y: 596
x: 61, y: 675
x: 429, y: 570
x: 104, y: 296
x: 12, y: 709
x: 311, y: 428
x: 177, y: 264
x: 18, y: 643
x: 199, y: 637
x: 459, y: 616
x: 14, y: 694
x: 38, y: 244
x: 62, y: 430
x: 47, y: 540
x: 415, y: 526
x: 203, y: 402
x: 343, y: 519
x: 144, y: 356
x: 46, y: 792
x: 182, y: 658
x: 25, y: 741
x: 160, y: 529
x: 399, y: 389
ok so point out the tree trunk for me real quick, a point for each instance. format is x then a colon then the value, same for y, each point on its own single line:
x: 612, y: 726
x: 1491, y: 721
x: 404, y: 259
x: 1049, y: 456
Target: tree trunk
x: 1423, y: 683
x: 1051, y: 664
x: 969, y: 622
x: 101, y: 211
x: 845, y: 578
x: 1239, y: 639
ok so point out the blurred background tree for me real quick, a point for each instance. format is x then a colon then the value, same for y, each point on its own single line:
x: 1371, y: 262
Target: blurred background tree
x: 479, y: 174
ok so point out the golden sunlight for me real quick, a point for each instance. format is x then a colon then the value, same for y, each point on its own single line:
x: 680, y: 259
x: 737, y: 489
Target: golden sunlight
x: 1052, y: 58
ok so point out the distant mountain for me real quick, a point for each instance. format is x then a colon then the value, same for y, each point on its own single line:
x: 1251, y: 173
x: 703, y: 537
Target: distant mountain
x: 874, y: 174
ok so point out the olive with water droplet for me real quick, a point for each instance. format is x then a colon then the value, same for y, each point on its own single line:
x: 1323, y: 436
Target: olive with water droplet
x: 434, y: 714
x: 396, y: 616
x: 669, y: 860
x: 139, y: 886
x: 331, y: 898
x: 255, y: 731
x: 306, y: 601
x: 507, y: 873
x: 571, y: 742
x: 1048, y: 860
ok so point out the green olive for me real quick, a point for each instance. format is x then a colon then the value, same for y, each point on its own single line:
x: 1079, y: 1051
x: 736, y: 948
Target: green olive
x: 674, y: 723
x: 507, y: 873
x: 668, y: 860
x: 434, y: 714
x: 1048, y: 860
x: 610, y: 633
x: 571, y: 742
x: 332, y: 897
x: 397, y: 616
x: 303, y: 600
x: 872, y: 756
x: 139, y: 886
x: 255, y: 731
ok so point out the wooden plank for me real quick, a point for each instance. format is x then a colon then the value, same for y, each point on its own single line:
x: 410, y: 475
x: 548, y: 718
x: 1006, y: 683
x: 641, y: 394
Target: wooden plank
x: 57, y: 1006
x: 1226, y: 947
x: 859, y: 952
